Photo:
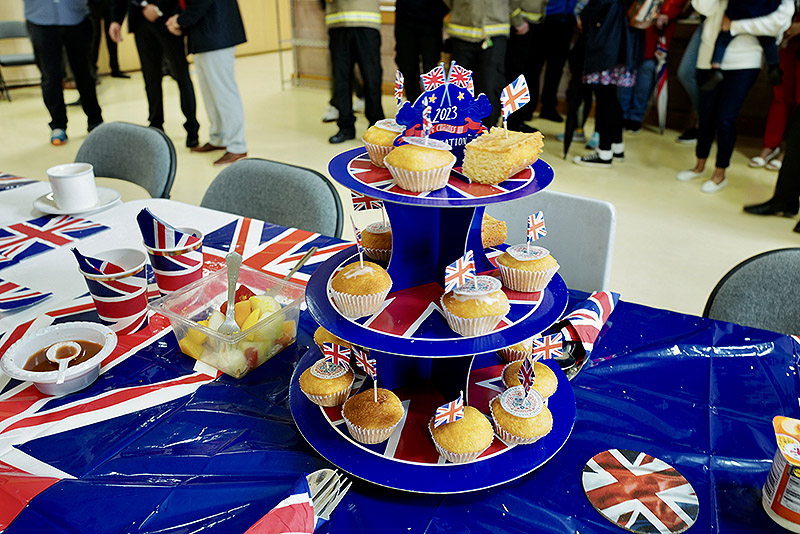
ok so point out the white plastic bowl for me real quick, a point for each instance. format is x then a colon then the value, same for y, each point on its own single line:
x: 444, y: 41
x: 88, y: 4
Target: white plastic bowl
x: 76, y: 377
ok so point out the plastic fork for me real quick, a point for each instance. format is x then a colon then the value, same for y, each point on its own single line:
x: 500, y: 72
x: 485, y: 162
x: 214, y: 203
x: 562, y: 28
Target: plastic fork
x: 327, y: 487
x: 233, y: 261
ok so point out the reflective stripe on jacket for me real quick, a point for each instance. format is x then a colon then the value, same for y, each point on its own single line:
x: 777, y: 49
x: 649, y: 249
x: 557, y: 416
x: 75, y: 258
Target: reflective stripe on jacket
x: 353, y: 13
x: 477, y: 20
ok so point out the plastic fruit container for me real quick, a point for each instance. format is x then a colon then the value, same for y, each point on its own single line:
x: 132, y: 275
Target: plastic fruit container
x: 195, y: 312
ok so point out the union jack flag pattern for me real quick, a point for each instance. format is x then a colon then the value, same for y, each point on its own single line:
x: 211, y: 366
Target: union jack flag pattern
x: 9, y: 181
x: 13, y: 296
x: 336, y: 354
x: 23, y: 240
x: 122, y: 303
x: 459, y: 76
x: 398, y: 87
x: 357, y: 233
x: 639, y: 493
x: 796, y: 339
x: 514, y: 96
x: 426, y: 120
x: 362, y: 360
x: 158, y: 234
x: 459, y: 272
x: 536, y: 228
x: 91, y: 265
x: 293, y: 514
x: 433, y: 79
x: 525, y: 375
x: 450, y: 412
x: 547, y: 347
x: 586, y: 320
x: 362, y: 202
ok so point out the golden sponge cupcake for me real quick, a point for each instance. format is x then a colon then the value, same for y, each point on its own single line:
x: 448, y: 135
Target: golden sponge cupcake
x: 475, y: 309
x: 545, y: 381
x: 327, y: 384
x: 520, y: 420
x: 323, y: 336
x: 369, y: 421
x: 379, y: 139
x: 420, y: 165
x: 377, y: 241
x: 359, y: 290
x: 517, y: 352
x: 526, y: 270
x: 463, y: 440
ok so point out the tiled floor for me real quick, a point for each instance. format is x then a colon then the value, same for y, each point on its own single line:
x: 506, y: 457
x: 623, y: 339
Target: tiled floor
x: 673, y: 242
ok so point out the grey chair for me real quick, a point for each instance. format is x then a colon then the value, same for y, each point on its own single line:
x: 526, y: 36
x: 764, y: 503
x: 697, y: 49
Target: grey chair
x: 278, y: 193
x: 138, y: 154
x: 762, y: 292
x: 13, y: 29
x: 580, y: 234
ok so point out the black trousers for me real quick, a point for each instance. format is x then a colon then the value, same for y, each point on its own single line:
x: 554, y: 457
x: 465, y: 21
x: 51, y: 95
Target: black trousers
x: 608, y: 115
x: 348, y: 47
x: 156, y: 44
x: 488, y: 70
x: 412, y: 43
x: 787, y: 188
x: 100, y: 13
x: 48, y: 42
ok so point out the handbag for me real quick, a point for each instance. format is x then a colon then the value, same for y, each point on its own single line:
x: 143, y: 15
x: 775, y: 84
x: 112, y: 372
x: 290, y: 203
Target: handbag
x: 642, y: 13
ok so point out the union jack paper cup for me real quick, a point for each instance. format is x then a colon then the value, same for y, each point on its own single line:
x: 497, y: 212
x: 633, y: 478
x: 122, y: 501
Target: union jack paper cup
x: 453, y: 457
x: 421, y: 181
x: 175, y: 268
x: 121, y: 298
x: 526, y: 281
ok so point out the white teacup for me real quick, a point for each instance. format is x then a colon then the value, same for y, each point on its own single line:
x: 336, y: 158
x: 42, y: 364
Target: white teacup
x: 73, y: 186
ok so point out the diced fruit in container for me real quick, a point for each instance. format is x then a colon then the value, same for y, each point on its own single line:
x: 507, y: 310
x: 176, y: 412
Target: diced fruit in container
x: 250, y: 322
x: 243, y: 293
x: 255, y: 352
x: 216, y: 320
x: 270, y: 330
x: 289, y: 332
x: 232, y: 361
x: 190, y: 348
x: 196, y: 336
x: 241, y: 310
x: 265, y: 303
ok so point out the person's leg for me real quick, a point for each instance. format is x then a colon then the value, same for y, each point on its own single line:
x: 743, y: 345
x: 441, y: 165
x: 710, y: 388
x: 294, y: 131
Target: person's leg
x: 559, y: 31
x: 47, y: 47
x: 174, y: 53
x: 342, y: 61
x: 368, y: 50
x: 96, y: 18
x: 430, y: 46
x: 783, y: 100
x: 534, y: 64
x: 407, y: 59
x: 215, y: 134
x: 78, y: 42
x: 688, y: 67
x: 516, y: 59
x: 707, y: 112
x: 113, y: 57
x: 607, y: 118
x: 733, y: 91
x: 150, y: 56
x: 642, y: 90
x: 490, y: 77
x: 221, y: 79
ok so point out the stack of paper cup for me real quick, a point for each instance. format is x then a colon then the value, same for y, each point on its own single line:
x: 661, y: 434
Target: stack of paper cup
x: 73, y: 186
x: 177, y: 267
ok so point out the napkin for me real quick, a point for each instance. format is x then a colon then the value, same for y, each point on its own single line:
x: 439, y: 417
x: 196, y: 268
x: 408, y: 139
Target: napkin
x: 294, y: 514
x: 91, y: 265
x: 584, y: 322
x: 159, y: 234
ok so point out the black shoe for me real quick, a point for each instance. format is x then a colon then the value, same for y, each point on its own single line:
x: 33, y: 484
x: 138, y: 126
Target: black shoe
x: 192, y: 142
x: 551, y: 115
x: 770, y: 207
x: 619, y: 156
x: 119, y: 74
x: 342, y: 136
x: 93, y: 126
x: 689, y: 137
x: 524, y: 128
x: 797, y: 226
x: 633, y: 127
x: 593, y: 160
x: 713, y: 80
x: 774, y: 74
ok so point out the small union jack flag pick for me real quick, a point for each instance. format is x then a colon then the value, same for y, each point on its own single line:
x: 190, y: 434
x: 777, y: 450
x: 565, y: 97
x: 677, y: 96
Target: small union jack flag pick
x: 547, y: 347
x: 362, y: 360
x: 536, y: 228
x: 426, y: 120
x: 91, y: 265
x: 363, y: 202
x: 459, y: 76
x: 433, y: 79
x: 357, y: 233
x: 450, y: 412
x: 459, y: 272
x: 398, y: 87
x: 514, y: 96
x: 158, y: 234
x: 525, y: 375
x: 336, y: 354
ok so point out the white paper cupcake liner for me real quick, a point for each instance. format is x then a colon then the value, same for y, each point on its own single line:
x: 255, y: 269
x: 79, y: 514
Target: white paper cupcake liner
x: 453, y: 457
x: 369, y: 436
x: 526, y: 281
x: 476, y: 326
x: 508, y: 437
x: 380, y: 254
x: 334, y: 399
x: 377, y: 153
x: 355, y: 306
x: 512, y: 355
x: 421, y: 181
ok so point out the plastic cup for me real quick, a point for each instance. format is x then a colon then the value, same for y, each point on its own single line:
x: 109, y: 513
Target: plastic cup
x: 121, y: 298
x: 73, y: 186
x: 175, y: 268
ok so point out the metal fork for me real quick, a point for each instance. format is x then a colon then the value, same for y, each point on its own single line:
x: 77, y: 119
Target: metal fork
x: 328, y: 487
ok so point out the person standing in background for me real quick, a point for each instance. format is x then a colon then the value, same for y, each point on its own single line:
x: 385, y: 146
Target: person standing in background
x: 55, y: 25
x: 156, y: 45
x: 418, y: 35
x: 215, y: 27
x: 100, y: 12
x: 524, y: 56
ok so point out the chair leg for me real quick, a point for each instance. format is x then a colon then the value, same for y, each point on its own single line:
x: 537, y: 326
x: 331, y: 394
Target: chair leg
x: 4, y: 87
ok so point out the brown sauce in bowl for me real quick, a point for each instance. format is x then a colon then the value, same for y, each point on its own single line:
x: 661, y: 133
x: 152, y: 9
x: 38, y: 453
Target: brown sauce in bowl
x: 39, y: 362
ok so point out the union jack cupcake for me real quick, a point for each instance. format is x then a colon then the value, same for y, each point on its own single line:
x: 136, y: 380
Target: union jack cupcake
x: 526, y: 269
x: 463, y: 440
x: 369, y: 421
x: 520, y: 419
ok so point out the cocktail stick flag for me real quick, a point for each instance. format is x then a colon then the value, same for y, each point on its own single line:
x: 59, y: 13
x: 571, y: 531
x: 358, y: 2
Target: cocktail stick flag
x: 459, y: 272
x: 459, y: 76
x: 336, y: 354
x: 357, y: 233
x: 426, y: 120
x: 398, y: 88
x: 362, y: 360
x: 158, y: 234
x: 525, y: 375
x: 450, y: 412
x: 91, y: 265
x: 433, y: 79
x: 363, y: 202
x: 514, y: 96
x: 536, y: 228
x: 547, y: 347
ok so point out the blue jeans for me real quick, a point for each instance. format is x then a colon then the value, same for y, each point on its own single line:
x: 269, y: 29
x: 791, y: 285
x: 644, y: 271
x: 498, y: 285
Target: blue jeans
x: 634, y: 99
x: 688, y: 67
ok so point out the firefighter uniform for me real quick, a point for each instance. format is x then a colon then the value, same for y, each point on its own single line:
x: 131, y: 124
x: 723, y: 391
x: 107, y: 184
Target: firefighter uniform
x: 522, y: 54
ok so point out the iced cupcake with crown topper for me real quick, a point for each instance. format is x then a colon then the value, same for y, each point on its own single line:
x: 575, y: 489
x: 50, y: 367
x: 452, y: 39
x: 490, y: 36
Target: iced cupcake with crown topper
x: 528, y: 268
x: 520, y: 419
x: 545, y: 382
x: 327, y: 384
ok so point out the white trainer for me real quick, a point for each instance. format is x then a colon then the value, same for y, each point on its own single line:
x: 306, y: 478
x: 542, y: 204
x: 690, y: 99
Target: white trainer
x: 710, y: 187
x: 685, y: 176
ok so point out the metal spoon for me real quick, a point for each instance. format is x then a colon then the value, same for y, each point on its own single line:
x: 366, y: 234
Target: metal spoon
x: 233, y: 261
x: 63, y: 360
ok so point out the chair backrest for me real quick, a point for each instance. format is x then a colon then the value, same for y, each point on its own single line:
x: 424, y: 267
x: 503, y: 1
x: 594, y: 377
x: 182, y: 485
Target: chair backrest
x: 580, y: 234
x: 13, y: 29
x: 762, y: 292
x: 138, y: 154
x: 278, y: 193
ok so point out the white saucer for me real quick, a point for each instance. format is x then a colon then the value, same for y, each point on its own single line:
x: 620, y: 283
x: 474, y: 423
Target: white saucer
x: 106, y: 197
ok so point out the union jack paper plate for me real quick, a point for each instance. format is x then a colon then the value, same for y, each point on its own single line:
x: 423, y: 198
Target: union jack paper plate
x: 639, y: 492
x: 15, y: 297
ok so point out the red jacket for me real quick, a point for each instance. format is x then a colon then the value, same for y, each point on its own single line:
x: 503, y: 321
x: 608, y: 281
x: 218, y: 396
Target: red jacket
x: 670, y: 8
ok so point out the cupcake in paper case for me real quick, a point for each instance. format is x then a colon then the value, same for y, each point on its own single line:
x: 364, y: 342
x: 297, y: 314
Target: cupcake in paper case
x: 517, y: 352
x: 360, y: 290
x: 520, y: 420
x: 545, y: 382
x: 463, y: 440
x: 420, y: 167
x: 526, y: 270
x: 474, y: 309
x: 326, y: 383
x: 377, y: 241
x: 321, y: 335
x: 379, y: 139
x: 371, y: 422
